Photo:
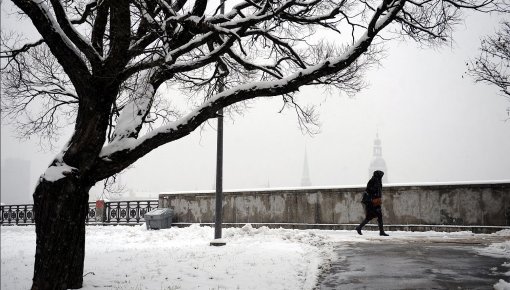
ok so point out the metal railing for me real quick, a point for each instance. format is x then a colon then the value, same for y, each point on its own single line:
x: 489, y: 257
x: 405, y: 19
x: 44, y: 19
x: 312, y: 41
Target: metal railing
x: 128, y: 212
x: 117, y: 212
x: 17, y: 214
x: 91, y: 216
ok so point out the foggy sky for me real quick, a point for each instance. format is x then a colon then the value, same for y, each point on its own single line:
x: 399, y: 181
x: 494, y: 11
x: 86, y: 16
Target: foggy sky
x: 434, y: 124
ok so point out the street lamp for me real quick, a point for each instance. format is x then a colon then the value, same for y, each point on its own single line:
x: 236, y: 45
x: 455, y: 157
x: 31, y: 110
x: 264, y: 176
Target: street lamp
x: 219, y: 167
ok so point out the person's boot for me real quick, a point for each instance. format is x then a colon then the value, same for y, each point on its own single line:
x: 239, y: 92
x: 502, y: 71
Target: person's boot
x: 381, y: 229
x: 358, y: 228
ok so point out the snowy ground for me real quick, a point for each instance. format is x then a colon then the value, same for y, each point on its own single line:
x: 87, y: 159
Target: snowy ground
x: 120, y: 257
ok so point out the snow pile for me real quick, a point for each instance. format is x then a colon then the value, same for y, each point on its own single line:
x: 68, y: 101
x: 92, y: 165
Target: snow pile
x: 57, y: 171
x: 502, y: 285
x: 504, y: 233
x: 181, y: 258
x: 497, y: 250
x: 58, y: 168
x: 500, y: 250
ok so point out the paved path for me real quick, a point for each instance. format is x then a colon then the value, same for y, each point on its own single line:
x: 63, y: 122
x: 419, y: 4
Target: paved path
x: 417, y: 265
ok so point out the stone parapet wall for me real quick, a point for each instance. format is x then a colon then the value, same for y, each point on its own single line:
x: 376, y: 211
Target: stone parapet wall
x: 485, y: 204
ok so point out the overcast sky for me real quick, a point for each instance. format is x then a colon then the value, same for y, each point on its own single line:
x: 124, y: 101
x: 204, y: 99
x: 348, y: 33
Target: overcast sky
x: 435, y: 126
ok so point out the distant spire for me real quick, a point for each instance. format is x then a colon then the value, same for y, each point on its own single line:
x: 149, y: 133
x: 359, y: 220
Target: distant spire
x: 378, y: 162
x: 305, y: 180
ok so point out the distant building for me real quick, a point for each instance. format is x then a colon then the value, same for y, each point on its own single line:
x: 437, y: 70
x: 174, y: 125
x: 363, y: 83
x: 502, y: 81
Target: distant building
x: 127, y: 195
x: 378, y: 162
x: 305, y: 180
x: 140, y: 195
x: 15, y: 181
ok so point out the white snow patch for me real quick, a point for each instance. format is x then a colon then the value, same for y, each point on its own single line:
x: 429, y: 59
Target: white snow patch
x: 503, y: 233
x: 58, y: 171
x: 437, y: 183
x: 502, y: 285
x: 131, y: 116
x: 499, y: 250
x: 115, y: 146
x: 124, y: 257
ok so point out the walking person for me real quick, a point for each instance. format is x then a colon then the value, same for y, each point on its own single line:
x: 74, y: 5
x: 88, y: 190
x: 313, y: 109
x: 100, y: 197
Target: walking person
x: 373, y: 202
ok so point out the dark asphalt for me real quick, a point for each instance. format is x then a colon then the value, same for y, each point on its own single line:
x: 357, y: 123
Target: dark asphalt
x: 388, y: 265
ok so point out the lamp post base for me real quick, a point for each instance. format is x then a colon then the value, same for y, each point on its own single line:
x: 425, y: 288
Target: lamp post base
x: 218, y: 243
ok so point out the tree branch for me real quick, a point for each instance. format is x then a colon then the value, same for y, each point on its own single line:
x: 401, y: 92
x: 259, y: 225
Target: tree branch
x: 99, y: 27
x: 81, y: 43
x: 120, y: 35
x: 12, y: 53
x: 89, y: 8
x: 59, y: 44
x: 117, y: 155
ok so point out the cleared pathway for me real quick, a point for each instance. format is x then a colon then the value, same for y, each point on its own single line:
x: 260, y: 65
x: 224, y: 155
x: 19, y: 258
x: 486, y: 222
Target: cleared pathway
x: 416, y: 265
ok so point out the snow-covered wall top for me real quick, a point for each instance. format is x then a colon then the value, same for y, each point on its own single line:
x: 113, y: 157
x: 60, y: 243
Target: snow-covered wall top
x: 410, y: 184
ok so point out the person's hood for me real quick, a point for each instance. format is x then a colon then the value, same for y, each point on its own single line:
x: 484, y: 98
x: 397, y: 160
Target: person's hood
x: 378, y: 173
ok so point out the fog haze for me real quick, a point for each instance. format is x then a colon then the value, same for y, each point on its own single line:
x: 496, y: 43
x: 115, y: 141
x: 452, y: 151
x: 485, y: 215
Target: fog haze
x: 434, y: 123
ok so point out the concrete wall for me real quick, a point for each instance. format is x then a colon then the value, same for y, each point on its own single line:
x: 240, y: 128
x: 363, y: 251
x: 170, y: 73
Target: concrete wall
x: 464, y: 204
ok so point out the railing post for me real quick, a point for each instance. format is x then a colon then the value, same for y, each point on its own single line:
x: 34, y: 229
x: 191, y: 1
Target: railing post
x: 17, y: 214
x: 25, y: 214
x: 108, y: 209
x: 128, y: 212
x: 32, y: 214
x: 138, y: 211
x: 117, y: 212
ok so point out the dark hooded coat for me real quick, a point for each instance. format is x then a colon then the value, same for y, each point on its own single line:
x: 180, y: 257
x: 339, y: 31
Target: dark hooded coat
x: 374, y: 189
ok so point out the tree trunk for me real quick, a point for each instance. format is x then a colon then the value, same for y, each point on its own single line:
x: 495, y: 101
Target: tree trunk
x: 60, y: 210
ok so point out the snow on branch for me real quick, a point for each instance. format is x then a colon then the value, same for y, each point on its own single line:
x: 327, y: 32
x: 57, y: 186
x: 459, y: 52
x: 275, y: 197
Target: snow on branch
x: 135, y: 111
x: 77, y: 39
x: 58, y: 169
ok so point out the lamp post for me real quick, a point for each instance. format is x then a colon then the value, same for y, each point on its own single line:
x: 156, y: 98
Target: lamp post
x: 219, y: 181
x: 219, y: 167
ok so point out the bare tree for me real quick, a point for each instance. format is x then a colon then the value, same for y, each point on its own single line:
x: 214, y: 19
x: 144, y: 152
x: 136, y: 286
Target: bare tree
x: 492, y: 66
x: 99, y: 64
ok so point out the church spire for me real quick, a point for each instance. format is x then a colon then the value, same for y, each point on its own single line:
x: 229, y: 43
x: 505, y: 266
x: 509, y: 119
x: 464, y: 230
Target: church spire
x: 377, y: 146
x: 305, y: 180
x: 378, y: 162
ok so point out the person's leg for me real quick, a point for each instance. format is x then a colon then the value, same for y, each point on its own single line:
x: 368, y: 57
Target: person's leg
x: 380, y: 224
x: 363, y: 223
